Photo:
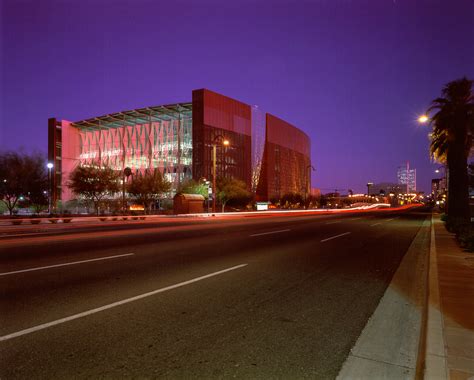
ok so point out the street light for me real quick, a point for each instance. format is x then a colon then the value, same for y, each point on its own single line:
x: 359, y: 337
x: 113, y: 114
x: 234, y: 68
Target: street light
x: 308, y: 176
x: 50, y: 166
x: 368, y: 188
x: 207, y: 183
x: 445, y: 177
x: 219, y: 139
x: 127, y: 172
x: 423, y: 119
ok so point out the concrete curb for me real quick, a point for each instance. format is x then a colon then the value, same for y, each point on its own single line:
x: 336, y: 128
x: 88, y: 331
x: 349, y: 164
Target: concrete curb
x: 389, y: 346
x: 434, y: 356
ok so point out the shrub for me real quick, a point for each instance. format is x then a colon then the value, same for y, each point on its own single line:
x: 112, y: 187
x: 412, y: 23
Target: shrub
x: 67, y: 220
x: 457, y: 225
x: 466, y: 240
x: 53, y: 220
x: 102, y: 219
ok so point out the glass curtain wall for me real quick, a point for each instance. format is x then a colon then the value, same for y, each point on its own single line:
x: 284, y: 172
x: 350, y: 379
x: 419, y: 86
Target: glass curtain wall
x: 159, y: 139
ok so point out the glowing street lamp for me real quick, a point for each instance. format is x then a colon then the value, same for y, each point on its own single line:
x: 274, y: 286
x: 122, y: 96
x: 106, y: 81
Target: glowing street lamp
x: 423, y: 119
x: 219, y: 139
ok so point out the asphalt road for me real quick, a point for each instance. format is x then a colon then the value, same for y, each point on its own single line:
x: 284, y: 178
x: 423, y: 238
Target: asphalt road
x: 278, y: 297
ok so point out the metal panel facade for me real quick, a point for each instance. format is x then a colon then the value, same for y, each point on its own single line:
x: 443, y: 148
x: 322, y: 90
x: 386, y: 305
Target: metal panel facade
x: 286, y: 160
x: 217, y: 117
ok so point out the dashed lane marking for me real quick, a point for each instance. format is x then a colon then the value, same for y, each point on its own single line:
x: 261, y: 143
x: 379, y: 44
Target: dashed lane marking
x: 65, y: 264
x: 270, y: 232
x: 335, y: 237
x: 115, y: 304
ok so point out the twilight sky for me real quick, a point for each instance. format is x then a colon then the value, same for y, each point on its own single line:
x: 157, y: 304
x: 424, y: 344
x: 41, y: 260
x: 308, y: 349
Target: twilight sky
x: 353, y: 74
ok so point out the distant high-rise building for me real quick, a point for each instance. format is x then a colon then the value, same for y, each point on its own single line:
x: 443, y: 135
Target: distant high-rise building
x: 407, y: 177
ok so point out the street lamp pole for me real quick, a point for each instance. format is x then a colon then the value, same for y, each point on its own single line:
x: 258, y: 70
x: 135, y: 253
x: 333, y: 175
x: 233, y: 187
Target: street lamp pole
x: 368, y: 188
x: 307, y: 187
x: 207, y: 183
x: 214, y: 149
x: 214, y: 155
x: 127, y: 172
x: 50, y: 166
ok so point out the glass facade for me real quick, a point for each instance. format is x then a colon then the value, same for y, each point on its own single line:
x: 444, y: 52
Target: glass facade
x: 159, y: 137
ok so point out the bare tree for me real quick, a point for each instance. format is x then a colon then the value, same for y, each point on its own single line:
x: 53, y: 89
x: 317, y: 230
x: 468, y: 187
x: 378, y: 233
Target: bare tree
x: 22, y: 176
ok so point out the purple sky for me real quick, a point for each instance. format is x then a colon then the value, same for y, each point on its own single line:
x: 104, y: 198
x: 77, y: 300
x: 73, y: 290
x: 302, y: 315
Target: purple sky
x: 354, y: 75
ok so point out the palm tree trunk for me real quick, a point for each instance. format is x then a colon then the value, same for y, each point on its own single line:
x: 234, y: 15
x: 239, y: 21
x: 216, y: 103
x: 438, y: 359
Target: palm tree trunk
x: 458, y: 186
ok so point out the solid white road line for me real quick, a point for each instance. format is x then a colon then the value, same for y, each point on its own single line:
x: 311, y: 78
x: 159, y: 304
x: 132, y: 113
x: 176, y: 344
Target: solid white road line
x: 334, y: 237
x: 65, y: 264
x: 375, y: 224
x: 338, y: 221
x: 271, y: 232
x: 360, y: 217
x: 389, y: 220
x: 115, y: 304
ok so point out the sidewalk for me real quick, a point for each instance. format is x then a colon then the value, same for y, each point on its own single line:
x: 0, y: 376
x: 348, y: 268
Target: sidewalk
x: 450, y: 327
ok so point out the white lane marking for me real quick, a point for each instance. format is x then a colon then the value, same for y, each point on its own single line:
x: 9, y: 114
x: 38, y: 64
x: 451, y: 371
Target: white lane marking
x: 388, y: 220
x: 271, y: 232
x: 334, y: 237
x: 338, y: 221
x: 114, y: 304
x: 360, y: 217
x: 65, y: 264
x: 375, y: 224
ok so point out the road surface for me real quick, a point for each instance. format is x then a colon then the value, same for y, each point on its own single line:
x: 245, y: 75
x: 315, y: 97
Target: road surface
x: 262, y: 297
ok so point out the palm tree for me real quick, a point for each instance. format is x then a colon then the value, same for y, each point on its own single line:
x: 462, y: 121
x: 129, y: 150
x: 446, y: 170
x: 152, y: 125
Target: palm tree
x: 451, y: 140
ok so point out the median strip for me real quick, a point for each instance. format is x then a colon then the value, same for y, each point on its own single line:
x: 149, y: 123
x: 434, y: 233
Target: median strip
x: 335, y: 237
x: 269, y: 233
x: 65, y: 264
x: 115, y: 304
